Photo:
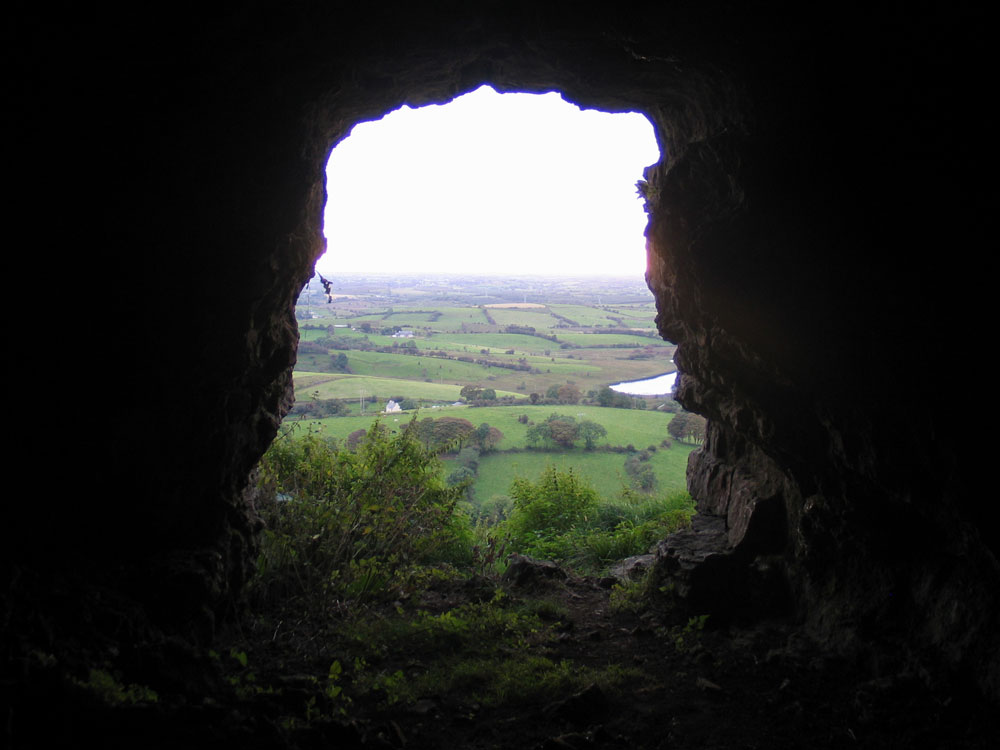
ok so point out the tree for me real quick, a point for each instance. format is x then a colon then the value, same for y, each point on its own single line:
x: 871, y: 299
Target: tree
x: 564, y: 431
x: 472, y: 392
x: 537, y: 433
x: 687, y: 426
x: 590, y: 432
x: 678, y: 425
x: 568, y: 394
x: 557, y: 429
x: 423, y: 431
x: 697, y: 428
x: 486, y: 437
x: 447, y: 430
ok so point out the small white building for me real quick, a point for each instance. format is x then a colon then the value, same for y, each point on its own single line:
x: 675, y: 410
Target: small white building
x: 392, y: 407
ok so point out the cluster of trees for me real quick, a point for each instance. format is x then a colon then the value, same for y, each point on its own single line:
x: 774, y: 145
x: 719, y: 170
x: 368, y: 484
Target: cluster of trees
x: 521, y: 365
x: 564, y: 394
x: 558, y: 394
x: 318, y: 408
x: 367, y: 327
x: 564, y: 431
x: 688, y: 427
x: 437, y: 435
x: 446, y: 432
x: 607, y: 397
x: 529, y: 331
x: 475, y: 393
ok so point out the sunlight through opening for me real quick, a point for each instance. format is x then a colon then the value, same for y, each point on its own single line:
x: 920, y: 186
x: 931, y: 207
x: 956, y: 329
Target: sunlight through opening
x: 490, y: 184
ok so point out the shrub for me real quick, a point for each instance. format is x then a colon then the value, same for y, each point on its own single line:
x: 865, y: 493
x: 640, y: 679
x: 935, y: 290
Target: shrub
x: 353, y: 521
x: 543, y: 510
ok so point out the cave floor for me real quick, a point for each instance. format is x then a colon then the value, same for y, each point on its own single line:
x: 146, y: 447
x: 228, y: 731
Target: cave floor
x: 548, y: 663
x: 644, y: 679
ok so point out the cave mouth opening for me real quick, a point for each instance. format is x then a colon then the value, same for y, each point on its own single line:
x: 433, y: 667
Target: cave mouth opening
x: 490, y: 184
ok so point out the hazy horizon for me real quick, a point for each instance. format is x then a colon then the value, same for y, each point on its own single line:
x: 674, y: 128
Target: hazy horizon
x: 561, y: 275
x: 490, y: 185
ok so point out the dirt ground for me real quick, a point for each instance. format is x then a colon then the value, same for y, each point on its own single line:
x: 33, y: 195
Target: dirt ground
x: 682, y: 686
x: 760, y: 687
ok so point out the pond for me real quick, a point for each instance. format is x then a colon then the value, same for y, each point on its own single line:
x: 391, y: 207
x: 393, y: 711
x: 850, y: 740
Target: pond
x: 660, y: 385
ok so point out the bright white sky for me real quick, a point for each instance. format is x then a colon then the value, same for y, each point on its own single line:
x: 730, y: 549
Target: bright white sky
x: 493, y: 184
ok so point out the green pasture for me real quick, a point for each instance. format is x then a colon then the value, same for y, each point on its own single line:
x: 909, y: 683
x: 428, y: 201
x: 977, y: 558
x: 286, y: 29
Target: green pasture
x: 519, y: 342
x: 406, y: 319
x: 583, y: 315
x: 636, y: 316
x: 414, y: 367
x: 311, y: 334
x: 340, y: 427
x: 605, y: 471
x: 534, y: 317
x: 625, y: 426
x: 588, y: 369
x: 350, y: 386
x: 452, y: 318
x: 376, y: 317
x: 609, y: 339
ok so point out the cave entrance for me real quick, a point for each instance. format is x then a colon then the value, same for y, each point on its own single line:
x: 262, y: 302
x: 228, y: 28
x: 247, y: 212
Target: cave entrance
x: 482, y: 200
x: 486, y: 189
x: 490, y: 187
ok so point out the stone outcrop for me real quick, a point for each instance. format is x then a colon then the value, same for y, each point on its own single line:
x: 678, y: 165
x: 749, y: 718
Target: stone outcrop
x: 816, y: 227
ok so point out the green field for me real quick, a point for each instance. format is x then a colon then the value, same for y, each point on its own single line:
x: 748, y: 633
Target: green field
x: 453, y: 318
x: 624, y: 426
x: 539, y: 319
x: 450, y: 319
x: 350, y: 386
x: 584, y: 315
x: 604, y: 471
x: 519, y: 342
x: 610, y: 339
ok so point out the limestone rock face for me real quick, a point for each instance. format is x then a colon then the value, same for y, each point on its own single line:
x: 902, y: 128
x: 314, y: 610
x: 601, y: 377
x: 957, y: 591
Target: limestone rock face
x: 816, y: 227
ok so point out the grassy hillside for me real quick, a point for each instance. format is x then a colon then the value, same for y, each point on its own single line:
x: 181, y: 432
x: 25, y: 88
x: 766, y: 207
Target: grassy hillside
x: 624, y: 426
x: 604, y: 471
x: 466, y: 320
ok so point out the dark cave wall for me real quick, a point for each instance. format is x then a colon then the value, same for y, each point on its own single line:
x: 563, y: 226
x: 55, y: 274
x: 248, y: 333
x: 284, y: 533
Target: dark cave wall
x: 812, y: 221
x: 793, y: 266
